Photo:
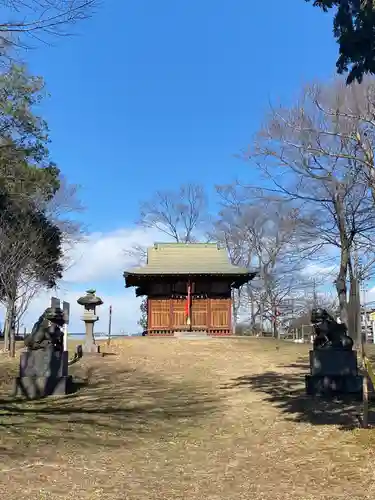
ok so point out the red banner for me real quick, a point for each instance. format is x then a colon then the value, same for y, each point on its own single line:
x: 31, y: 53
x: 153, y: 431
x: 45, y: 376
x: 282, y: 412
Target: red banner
x: 187, y: 306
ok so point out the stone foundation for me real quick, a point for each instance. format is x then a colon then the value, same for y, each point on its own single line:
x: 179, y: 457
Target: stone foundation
x: 333, y: 384
x: 333, y: 362
x: 333, y: 371
x: 90, y: 349
x: 43, y: 373
x: 44, y: 363
x: 41, y: 387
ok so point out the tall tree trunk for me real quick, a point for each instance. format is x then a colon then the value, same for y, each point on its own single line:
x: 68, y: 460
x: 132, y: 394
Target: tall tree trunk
x: 252, y: 307
x: 12, y: 330
x: 261, y: 313
x: 369, y: 157
x: 7, y: 324
x: 235, y: 307
x: 341, y: 286
x: 274, y: 319
x: 354, y: 313
x: 342, y: 298
x: 250, y: 296
x: 11, y: 321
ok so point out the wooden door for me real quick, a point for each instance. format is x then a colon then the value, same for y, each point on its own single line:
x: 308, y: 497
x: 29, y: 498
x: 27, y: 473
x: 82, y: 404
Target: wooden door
x: 178, y: 314
x: 199, y: 314
x: 220, y: 314
x: 159, y: 314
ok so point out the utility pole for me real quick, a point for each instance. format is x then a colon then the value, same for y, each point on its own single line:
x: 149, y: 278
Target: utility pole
x: 315, y: 298
x: 252, y: 307
x: 356, y: 315
x: 355, y: 302
x: 261, y: 305
x: 12, y: 336
x: 364, y: 295
x: 109, y: 325
x: 66, y: 313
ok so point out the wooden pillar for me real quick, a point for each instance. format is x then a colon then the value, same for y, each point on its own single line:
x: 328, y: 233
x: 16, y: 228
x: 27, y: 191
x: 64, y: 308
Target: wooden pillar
x: 208, y: 314
x: 149, y: 303
x: 171, y: 314
x: 188, y: 304
x: 230, y: 317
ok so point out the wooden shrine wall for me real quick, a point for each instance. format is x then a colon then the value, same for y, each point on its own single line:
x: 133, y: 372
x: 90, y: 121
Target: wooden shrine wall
x: 213, y: 315
x: 210, y: 288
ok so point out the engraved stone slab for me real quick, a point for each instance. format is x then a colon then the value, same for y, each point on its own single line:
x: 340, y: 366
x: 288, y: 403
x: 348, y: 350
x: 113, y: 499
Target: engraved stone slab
x: 333, y: 362
x: 44, y: 363
x: 41, y: 387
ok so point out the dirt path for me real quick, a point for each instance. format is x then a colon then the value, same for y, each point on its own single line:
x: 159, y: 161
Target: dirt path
x: 169, y: 419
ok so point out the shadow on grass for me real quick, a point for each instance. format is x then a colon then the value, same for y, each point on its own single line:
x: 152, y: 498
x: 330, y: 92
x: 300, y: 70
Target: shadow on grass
x: 286, y: 391
x: 110, y: 407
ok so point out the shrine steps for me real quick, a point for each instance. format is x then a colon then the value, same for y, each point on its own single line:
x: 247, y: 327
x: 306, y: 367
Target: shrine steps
x: 192, y: 335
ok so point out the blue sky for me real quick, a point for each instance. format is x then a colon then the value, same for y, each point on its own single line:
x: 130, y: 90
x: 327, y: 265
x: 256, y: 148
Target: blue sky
x: 152, y: 94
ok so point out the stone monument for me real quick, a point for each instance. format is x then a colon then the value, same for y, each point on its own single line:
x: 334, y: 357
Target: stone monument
x: 44, y: 365
x: 90, y: 302
x: 333, y: 362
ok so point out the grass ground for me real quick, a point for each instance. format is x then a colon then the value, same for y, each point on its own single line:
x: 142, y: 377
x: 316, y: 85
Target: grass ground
x: 166, y: 419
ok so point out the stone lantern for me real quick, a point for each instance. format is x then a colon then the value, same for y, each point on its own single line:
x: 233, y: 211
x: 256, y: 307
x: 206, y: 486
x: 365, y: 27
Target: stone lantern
x: 90, y: 302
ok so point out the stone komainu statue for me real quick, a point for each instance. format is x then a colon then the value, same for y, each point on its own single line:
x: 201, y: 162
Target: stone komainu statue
x: 328, y: 333
x: 46, y: 332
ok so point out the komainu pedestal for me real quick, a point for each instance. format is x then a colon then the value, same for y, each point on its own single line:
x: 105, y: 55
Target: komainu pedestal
x: 44, y: 365
x: 333, y: 363
x: 43, y: 373
x: 333, y: 371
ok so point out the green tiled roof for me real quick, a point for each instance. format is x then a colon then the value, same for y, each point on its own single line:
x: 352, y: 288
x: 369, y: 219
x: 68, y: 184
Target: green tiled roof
x: 188, y: 258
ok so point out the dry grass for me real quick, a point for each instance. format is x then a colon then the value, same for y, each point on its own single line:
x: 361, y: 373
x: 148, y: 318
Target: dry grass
x: 168, y: 419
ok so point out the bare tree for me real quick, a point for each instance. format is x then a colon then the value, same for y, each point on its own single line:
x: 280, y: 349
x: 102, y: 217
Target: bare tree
x: 276, y: 242
x: 62, y: 210
x: 310, y: 156
x: 301, y: 314
x: 137, y: 253
x: 261, y: 231
x: 232, y: 231
x: 325, y: 300
x: 39, y: 21
x: 180, y: 215
x: 26, y: 293
x: 23, y: 243
x: 30, y: 254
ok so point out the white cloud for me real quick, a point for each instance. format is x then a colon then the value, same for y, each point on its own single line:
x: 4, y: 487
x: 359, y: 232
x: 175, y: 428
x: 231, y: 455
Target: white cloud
x: 102, y: 255
x: 320, y: 270
x: 370, y: 295
x: 125, y: 311
x: 98, y: 262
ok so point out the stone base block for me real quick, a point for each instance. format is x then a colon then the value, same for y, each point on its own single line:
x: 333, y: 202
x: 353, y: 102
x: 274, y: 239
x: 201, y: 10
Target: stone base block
x: 179, y: 334
x: 90, y: 349
x: 333, y: 362
x: 45, y: 363
x: 333, y: 384
x: 41, y: 387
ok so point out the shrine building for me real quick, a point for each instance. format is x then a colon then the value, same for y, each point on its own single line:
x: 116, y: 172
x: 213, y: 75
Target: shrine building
x: 188, y: 288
